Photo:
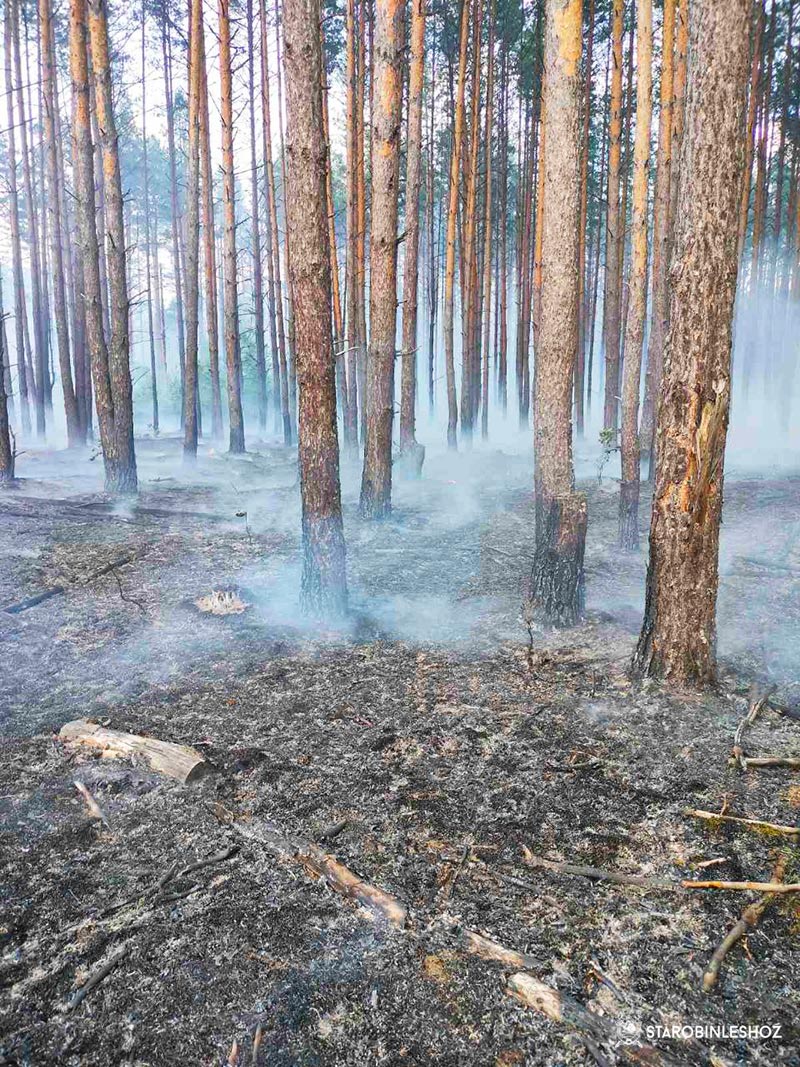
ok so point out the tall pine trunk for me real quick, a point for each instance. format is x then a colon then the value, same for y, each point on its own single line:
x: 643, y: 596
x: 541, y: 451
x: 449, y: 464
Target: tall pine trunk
x: 231, y: 293
x: 324, y: 588
x: 637, y: 299
x: 557, y: 579
x: 175, y: 214
x: 121, y: 464
x: 192, y: 266
x: 376, y: 480
x: 255, y: 228
x: 20, y: 310
x: 661, y: 233
x: 408, y: 392
x: 678, y: 635
x: 147, y: 256
x: 278, y: 338
x: 209, y: 254
x: 450, y: 239
x: 615, y: 225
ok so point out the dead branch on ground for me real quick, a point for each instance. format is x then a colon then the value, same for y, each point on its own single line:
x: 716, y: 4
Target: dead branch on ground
x: 750, y: 917
x: 752, y: 824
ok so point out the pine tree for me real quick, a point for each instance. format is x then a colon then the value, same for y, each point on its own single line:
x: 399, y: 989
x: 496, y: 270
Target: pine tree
x: 324, y: 588
x: 557, y: 579
x: 678, y: 635
x: 376, y: 481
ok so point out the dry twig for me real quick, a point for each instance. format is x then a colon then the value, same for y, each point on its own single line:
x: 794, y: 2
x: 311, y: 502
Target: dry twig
x: 750, y: 917
x: 752, y: 824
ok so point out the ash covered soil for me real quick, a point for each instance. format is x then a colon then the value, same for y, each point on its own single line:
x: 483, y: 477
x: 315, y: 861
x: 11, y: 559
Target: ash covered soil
x: 425, y: 746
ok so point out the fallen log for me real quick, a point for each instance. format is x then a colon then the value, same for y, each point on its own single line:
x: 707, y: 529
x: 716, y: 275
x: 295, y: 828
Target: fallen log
x: 753, y: 824
x: 316, y: 861
x: 180, y: 762
x: 750, y: 918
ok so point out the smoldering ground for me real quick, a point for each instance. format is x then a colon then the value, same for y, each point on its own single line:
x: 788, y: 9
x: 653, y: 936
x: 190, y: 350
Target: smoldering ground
x: 425, y: 742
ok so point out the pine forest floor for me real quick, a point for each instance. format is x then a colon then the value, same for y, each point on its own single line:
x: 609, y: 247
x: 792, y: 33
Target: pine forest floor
x: 425, y: 746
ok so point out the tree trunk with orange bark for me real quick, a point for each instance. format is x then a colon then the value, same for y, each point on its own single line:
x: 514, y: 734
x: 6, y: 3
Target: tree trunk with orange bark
x: 209, y: 254
x: 121, y: 461
x: 276, y: 299
x: 255, y: 228
x: 678, y: 636
x: 580, y: 358
x: 661, y: 232
x: 53, y: 200
x: 615, y: 224
x: 351, y: 249
x: 7, y: 456
x: 408, y: 389
x: 233, y: 362
x: 637, y: 300
x: 192, y: 271
x: 18, y: 277
x: 483, y: 345
x: 376, y: 480
x: 557, y: 580
x: 324, y: 588
x: 450, y: 239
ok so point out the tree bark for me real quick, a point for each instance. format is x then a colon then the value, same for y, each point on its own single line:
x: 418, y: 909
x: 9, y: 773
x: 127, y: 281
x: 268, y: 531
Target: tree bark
x: 20, y: 309
x: 408, y: 391
x: 487, y: 229
x: 6, y: 445
x: 37, y: 302
x: 166, y: 48
x: 450, y: 239
x: 276, y: 295
x: 470, y: 242
x: 149, y: 279
x: 324, y: 588
x: 614, y: 226
x: 678, y: 636
x: 376, y: 480
x: 255, y: 228
x: 637, y: 299
x: 209, y: 253
x: 192, y: 264
x: 662, y: 224
x: 231, y: 301
x: 93, y: 296
x: 580, y: 358
x: 750, y: 128
x: 557, y: 581
x: 121, y: 470
x: 53, y: 201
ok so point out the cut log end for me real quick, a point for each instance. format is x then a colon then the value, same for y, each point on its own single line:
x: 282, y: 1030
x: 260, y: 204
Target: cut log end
x: 180, y: 762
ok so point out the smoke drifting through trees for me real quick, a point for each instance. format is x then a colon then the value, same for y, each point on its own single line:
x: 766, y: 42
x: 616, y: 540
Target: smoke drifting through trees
x: 132, y: 270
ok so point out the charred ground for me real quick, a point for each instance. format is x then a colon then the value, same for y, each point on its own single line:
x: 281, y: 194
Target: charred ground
x: 425, y: 745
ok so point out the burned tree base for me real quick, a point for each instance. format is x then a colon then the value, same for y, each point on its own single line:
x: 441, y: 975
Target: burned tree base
x: 410, y: 459
x: 557, y: 581
x: 629, y: 515
x: 323, y: 590
x: 121, y: 478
